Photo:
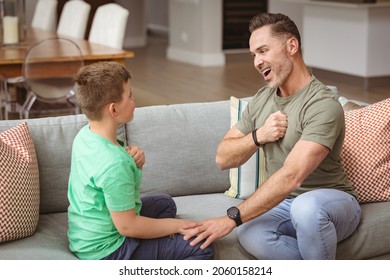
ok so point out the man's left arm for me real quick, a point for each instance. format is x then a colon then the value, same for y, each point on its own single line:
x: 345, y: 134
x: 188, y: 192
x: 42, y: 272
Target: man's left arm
x: 302, y: 160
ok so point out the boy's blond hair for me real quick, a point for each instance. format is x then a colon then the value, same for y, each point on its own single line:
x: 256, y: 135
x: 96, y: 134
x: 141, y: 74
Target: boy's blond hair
x: 99, y: 84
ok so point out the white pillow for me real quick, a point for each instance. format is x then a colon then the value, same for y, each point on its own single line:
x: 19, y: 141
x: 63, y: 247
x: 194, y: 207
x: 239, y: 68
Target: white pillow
x: 245, y: 179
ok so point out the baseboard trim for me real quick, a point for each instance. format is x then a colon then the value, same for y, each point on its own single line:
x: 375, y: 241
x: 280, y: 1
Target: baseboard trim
x: 199, y: 59
x: 363, y: 82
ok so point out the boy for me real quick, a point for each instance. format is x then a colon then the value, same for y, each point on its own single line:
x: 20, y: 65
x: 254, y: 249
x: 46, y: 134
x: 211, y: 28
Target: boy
x: 107, y: 217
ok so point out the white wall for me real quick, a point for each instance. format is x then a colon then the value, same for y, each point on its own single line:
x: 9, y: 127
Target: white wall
x: 195, y: 34
x: 157, y: 16
x: 292, y: 10
x: 30, y: 7
x: 341, y: 37
x: 348, y: 39
x: 136, y: 25
x: 378, y: 52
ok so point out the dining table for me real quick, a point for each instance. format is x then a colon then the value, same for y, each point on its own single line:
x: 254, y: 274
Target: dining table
x: 12, y: 56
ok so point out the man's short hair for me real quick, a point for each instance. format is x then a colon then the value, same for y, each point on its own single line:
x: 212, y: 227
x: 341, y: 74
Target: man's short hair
x: 281, y: 25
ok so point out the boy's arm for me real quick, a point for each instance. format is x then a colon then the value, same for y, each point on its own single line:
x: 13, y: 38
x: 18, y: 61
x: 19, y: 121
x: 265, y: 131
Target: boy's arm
x: 132, y: 225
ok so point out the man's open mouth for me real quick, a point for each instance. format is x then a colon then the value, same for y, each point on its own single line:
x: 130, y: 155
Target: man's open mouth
x: 266, y: 72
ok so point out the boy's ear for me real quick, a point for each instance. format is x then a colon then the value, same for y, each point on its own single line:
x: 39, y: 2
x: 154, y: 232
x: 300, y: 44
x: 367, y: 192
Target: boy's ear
x: 112, y: 109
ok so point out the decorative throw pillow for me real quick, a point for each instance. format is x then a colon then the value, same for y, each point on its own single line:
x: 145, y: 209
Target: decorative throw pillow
x: 19, y: 184
x: 245, y: 179
x: 366, y: 151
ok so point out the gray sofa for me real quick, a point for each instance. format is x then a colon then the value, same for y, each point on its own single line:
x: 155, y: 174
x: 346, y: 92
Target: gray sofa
x: 180, y: 142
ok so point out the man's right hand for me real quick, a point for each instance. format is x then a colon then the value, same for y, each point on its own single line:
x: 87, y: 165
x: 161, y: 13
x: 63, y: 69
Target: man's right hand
x: 208, y: 230
x: 274, y: 128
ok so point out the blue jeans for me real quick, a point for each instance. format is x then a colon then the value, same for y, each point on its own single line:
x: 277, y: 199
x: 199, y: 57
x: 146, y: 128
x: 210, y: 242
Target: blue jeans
x: 165, y: 248
x: 306, y: 227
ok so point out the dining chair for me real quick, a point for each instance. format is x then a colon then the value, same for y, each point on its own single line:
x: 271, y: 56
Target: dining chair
x: 109, y: 25
x: 9, y: 88
x: 45, y: 15
x: 74, y: 18
x: 48, y: 70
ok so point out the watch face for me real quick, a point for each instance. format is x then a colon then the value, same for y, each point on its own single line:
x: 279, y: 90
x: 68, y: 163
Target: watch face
x: 233, y: 212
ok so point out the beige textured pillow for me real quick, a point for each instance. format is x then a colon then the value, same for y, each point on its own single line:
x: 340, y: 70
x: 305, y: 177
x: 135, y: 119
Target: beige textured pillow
x: 245, y: 179
x: 366, y: 151
x: 349, y: 105
x: 19, y: 184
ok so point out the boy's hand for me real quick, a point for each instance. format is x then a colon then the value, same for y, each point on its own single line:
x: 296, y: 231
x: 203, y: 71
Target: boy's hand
x: 137, y: 154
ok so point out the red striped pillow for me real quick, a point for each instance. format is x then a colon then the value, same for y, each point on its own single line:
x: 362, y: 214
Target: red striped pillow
x: 366, y: 151
x: 19, y: 184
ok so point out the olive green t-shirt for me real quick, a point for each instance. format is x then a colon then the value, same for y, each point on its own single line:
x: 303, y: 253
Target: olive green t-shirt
x: 103, y: 178
x: 313, y: 114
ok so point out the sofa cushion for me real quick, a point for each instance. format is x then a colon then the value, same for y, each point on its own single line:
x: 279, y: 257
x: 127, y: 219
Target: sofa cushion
x: 193, y: 207
x: 49, y: 242
x: 371, y: 238
x: 366, y: 151
x: 245, y: 179
x: 19, y: 184
x: 180, y: 142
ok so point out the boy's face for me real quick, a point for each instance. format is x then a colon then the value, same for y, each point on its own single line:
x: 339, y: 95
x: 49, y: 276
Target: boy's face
x: 125, y: 108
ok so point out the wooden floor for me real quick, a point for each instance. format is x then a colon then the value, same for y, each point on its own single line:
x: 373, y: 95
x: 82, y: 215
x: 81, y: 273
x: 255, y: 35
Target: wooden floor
x: 159, y: 81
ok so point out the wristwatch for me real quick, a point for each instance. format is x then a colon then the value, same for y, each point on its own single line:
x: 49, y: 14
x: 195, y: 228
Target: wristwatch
x: 234, y: 214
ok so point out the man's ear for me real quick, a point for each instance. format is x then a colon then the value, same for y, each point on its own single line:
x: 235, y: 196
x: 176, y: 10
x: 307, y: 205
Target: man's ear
x: 292, y: 45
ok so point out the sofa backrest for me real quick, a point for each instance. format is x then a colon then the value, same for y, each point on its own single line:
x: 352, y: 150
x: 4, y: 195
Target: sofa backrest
x: 180, y: 143
x: 53, y: 138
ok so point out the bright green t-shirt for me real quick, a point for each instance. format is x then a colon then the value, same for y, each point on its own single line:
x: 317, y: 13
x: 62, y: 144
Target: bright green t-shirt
x: 313, y: 114
x: 103, y: 177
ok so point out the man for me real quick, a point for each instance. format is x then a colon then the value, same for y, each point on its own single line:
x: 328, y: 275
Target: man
x: 307, y: 204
